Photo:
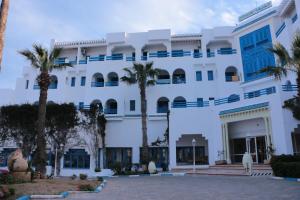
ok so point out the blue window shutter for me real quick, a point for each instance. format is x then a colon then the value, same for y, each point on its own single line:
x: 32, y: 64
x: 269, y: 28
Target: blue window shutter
x: 82, y: 83
x: 132, y: 105
x: 81, y: 105
x: 27, y: 84
x: 198, y: 76
x: 73, y: 82
x: 200, y: 102
x: 210, y: 75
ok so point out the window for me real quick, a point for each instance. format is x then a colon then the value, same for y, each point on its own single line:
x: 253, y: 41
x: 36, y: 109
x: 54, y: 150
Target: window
x: 82, y: 82
x: 210, y: 75
x: 73, y: 82
x: 211, y: 98
x: 27, y: 84
x: 132, y: 105
x: 77, y: 159
x: 198, y: 76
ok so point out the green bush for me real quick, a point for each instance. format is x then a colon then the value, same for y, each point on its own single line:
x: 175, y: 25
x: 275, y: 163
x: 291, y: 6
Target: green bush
x: 7, y: 179
x: 97, y: 169
x: 85, y: 187
x: 73, y: 177
x: 12, y: 191
x: 83, y: 176
x: 286, y: 166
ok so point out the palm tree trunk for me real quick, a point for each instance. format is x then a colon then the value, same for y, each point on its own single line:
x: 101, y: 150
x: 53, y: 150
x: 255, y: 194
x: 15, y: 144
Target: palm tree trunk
x: 3, y: 20
x: 144, y: 125
x: 298, y: 84
x: 41, y: 159
x: 103, y: 152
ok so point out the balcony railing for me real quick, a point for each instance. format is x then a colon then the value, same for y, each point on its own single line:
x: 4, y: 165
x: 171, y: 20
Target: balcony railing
x: 210, y: 54
x: 59, y: 61
x: 258, y: 93
x: 144, y: 58
x: 229, y: 99
x: 163, y: 81
x: 115, y: 57
x: 130, y: 58
x: 97, y: 84
x: 226, y: 51
x: 52, y: 86
x: 231, y: 78
x: 36, y: 87
x: 112, y: 83
x: 111, y: 111
x: 159, y: 54
x: 97, y: 58
x: 180, y: 53
x: 178, y: 80
x: 289, y: 88
x: 190, y: 104
x: 197, y: 55
x: 294, y: 18
x: 162, y: 109
x: 83, y: 62
x: 281, y: 28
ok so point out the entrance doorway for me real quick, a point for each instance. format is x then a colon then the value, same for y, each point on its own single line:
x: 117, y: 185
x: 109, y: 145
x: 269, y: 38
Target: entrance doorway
x: 256, y: 146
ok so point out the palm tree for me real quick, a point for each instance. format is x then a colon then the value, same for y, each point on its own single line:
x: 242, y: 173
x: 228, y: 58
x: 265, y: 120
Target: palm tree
x: 144, y: 76
x: 102, y: 125
x: 43, y: 60
x: 3, y: 20
x: 287, y: 63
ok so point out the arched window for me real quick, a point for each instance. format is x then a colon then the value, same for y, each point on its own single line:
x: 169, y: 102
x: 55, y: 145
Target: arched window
x: 179, y: 102
x: 97, y: 80
x: 111, y: 107
x: 162, y: 105
x: 178, y: 76
x: 231, y: 74
x: 233, y: 98
x: 112, y: 79
x: 163, y: 77
x: 96, y: 103
x: 53, y: 82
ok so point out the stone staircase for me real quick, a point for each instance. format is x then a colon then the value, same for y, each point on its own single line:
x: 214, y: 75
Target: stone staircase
x: 228, y: 170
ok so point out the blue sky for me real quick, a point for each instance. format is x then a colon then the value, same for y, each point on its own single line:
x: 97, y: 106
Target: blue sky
x: 38, y: 21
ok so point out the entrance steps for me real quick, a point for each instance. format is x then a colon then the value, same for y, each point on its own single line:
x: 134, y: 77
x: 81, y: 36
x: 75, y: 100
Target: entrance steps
x: 228, y: 170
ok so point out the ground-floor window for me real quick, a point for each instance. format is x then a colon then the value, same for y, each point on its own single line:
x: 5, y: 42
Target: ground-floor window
x: 77, y: 159
x: 184, y: 155
x: 118, y: 155
x: 159, y: 155
x: 296, y: 143
x: 4, y: 156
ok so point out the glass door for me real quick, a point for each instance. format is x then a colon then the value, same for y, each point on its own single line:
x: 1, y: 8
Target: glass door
x: 252, y: 148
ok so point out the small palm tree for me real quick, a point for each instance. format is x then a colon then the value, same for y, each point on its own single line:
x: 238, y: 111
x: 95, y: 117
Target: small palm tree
x: 287, y: 63
x: 144, y: 76
x: 43, y: 60
x: 3, y: 20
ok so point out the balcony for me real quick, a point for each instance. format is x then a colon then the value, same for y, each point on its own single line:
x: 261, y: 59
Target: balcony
x: 163, y: 81
x: 112, y: 83
x: 180, y: 53
x: 159, y: 54
x: 197, y: 55
x: 231, y: 99
x: 190, y: 104
x: 130, y: 58
x: 210, y: 54
x: 83, y: 62
x: 111, y: 111
x: 97, y: 58
x: 289, y: 88
x: 36, y: 87
x: 179, y: 81
x: 97, y: 84
x: 226, y: 51
x: 258, y: 93
x: 231, y: 78
x: 144, y: 58
x: 118, y: 56
x: 162, y: 109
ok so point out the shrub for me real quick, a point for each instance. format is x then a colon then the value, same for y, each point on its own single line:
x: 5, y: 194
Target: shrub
x: 99, y: 178
x: 286, y: 166
x: 97, y: 169
x: 12, y: 191
x: 7, y: 179
x: 117, y: 167
x: 73, y: 177
x: 83, y: 176
x: 85, y: 187
x: 6, y: 192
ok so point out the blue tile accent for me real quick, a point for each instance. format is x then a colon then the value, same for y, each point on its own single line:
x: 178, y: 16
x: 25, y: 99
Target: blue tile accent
x: 280, y: 29
x: 245, y: 108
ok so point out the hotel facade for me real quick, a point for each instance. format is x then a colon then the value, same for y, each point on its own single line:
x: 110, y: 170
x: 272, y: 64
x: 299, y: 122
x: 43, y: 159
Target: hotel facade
x: 207, y: 90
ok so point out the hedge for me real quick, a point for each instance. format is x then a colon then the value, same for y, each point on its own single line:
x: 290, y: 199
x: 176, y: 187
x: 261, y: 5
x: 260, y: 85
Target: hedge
x: 286, y: 166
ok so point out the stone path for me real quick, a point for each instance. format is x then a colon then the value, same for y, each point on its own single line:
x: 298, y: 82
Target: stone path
x: 194, y: 187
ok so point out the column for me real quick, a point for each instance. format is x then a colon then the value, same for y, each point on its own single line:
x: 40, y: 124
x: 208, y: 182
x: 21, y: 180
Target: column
x: 268, y: 134
x: 227, y: 144
x: 224, y: 142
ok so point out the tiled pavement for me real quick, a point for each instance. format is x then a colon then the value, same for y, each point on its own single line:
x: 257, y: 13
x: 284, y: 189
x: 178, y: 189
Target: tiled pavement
x: 194, y: 187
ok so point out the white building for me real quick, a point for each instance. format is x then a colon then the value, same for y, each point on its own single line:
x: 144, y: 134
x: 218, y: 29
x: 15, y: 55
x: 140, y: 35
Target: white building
x: 208, y: 83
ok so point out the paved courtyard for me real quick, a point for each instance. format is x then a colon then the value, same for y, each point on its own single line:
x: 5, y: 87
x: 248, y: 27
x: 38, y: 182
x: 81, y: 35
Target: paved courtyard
x: 196, y: 187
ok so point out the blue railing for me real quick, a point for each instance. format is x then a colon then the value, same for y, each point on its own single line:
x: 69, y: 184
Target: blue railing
x: 115, y: 57
x: 52, y: 86
x: 110, y: 111
x: 230, y: 99
x: 258, y: 93
x: 294, y: 18
x: 180, y: 53
x: 281, y: 28
x: 190, y: 104
x: 130, y: 58
x: 289, y: 88
x: 226, y: 51
x: 97, y: 58
x: 159, y: 54
x: 83, y: 62
x: 112, y: 83
x: 59, y: 61
x: 163, y: 81
x: 36, y: 87
x: 210, y: 54
x: 178, y: 80
x: 197, y: 55
x: 162, y: 109
x: 144, y: 58
x: 97, y: 84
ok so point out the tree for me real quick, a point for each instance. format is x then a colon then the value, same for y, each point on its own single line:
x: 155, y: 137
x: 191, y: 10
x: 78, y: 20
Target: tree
x: 43, y: 60
x: 3, y: 20
x: 144, y: 76
x: 17, y: 123
x: 61, y: 124
x: 287, y: 63
x: 101, y: 120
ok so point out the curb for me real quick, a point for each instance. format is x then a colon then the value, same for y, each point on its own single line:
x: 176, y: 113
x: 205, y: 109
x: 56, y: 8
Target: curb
x: 61, y: 195
x: 159, y: 174
x: 286, y: 178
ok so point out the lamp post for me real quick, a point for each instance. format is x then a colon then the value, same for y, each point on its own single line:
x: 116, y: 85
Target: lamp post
x: 194, y: 162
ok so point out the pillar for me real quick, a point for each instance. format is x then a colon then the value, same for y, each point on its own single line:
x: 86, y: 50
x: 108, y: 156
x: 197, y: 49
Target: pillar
x: 227, y: 143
